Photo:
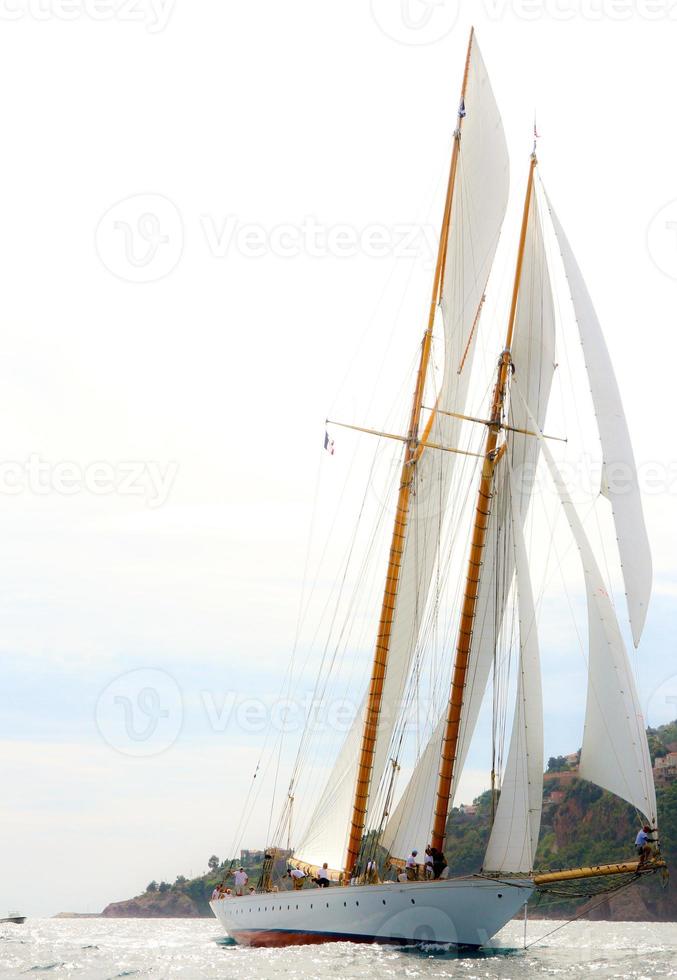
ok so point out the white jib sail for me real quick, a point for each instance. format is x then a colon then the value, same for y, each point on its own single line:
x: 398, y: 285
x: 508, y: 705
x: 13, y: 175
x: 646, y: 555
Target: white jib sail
x: 615, y: 752
x: 533, y: 356
x: 476, y: 217
x: 619, y: 481
x: 514, y: 835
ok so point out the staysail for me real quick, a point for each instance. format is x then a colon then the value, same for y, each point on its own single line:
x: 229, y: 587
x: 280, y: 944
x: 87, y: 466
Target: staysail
x: 514, y: 834
x: 619, y: 481
x: 533, y: 358
x: 615, y: 753
x: 479, y: 201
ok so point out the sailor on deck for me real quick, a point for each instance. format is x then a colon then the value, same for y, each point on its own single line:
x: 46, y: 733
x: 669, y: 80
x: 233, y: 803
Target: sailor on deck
x: 241, y: 878
x: 323, y: 876
x: 428, y: 862
x: 297, y: 876
x: 411, y: 866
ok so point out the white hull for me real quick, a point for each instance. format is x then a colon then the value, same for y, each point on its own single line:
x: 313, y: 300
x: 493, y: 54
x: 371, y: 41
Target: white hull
x: 462, y: 911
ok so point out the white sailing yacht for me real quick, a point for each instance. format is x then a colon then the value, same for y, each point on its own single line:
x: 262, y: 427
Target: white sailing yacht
x: 355, y: 820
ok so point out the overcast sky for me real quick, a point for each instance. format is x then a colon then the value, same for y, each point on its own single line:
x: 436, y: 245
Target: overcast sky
x: 217, y: 223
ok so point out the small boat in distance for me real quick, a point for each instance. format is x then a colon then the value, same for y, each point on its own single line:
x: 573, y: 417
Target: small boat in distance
x: 16, y: 917
x: 359, y: 827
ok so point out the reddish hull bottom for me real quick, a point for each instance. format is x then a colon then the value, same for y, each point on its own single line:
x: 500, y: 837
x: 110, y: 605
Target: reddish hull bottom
x: 281, y: 937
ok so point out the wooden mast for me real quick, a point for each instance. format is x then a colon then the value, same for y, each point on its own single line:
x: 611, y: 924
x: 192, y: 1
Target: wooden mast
x: 412, y: 455
x: 479, y: 536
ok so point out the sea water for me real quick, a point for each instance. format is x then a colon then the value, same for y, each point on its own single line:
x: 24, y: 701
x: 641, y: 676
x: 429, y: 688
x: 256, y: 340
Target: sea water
x: 99, y: 949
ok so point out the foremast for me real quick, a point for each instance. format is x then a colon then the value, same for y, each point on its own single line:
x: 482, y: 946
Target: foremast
x: 492, y: 454
x: 413, y: 451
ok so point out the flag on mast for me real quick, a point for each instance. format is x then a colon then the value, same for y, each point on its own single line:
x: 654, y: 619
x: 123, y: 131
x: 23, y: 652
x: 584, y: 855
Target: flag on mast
x: 328, y: 443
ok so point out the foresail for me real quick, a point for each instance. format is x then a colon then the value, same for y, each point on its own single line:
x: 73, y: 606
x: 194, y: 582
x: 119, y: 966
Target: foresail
x: 619, y: 481
x: 615, y: 752
x: 514, y: 835
x: 475, y: 223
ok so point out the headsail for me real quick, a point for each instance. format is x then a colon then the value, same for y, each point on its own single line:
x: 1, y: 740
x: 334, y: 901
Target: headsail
x: 478, y: 207
x: 514, y: 835
x: 615, y: 753
x: 619, y: 481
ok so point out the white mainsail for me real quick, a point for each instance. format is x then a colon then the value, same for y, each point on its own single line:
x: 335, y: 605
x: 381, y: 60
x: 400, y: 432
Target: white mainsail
x: 533, y: 357
x: 619, y: 482
x: 479, y: 202
x: 514, y: 834
x: 615, y: 753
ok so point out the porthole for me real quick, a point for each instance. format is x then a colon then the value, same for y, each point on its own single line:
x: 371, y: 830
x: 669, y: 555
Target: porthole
x: 297, y: 906
x: 413, y: 901
x: 500, y: 894
x: 357, y: 903
x: 327, y: 904
x: 311, y: 905
x: 344, y: 904
x: 383, y: 900
x: 288, y: 907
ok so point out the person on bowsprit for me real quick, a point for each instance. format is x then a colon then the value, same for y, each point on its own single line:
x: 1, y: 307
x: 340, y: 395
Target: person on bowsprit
x: 643, y: 843
x: 411, y: 866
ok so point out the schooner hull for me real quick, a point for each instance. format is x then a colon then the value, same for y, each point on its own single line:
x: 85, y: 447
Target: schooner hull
x: 464, y: 912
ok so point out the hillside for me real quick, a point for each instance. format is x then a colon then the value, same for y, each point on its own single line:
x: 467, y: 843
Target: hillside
x: 581, y: 825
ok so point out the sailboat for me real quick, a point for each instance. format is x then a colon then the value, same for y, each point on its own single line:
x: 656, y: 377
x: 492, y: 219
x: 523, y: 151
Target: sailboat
x: 359, y: 821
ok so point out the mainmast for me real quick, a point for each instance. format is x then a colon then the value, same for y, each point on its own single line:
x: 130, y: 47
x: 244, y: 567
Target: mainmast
x: 411, y: 457
x: 492, y: 455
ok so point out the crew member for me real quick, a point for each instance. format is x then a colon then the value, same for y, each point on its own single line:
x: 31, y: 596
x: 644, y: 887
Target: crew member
x: 297, y: 876
x: 643, y: 844
x: 440, y: 869
x: 241, y: 878
x: 411, y: 866
x: 428, y: 863
x: 323, y: 876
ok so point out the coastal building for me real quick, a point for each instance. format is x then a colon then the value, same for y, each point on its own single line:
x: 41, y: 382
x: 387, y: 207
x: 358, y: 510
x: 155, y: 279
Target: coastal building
x: 665, y: 769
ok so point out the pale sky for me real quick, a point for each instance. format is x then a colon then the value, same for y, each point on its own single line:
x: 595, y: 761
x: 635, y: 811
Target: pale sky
x: 217, y: 229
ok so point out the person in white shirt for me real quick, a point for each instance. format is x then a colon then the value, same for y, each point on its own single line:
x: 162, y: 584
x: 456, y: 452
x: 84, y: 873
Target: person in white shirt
x: 241, y: 878
x: 297, y: 876
x: 428, y: 863
x: 323, y: 876
x: 216, y: 893
x: 411, y: 866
